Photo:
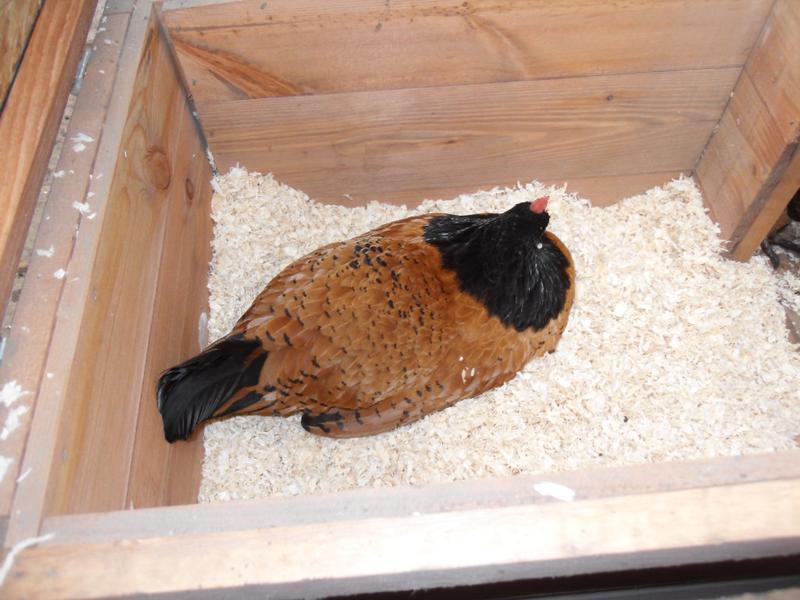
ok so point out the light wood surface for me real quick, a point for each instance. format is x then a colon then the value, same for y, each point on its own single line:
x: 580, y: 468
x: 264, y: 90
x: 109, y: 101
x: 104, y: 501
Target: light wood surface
x: 163, y: 473
x: 107, y: 374
x: 774, y: 67
x: 142, y: 278
x: 745, y: 170
x: 74, y: 301
x: 406, y: 145
x: 285, y: 47
x: 119, y: 6
x: 605, y: 191
x: 16, y: 21
x: 28, y: 343
x: 29, y: 121
x: 427, y: 550
x: 740, y: 157
x: 761, y: 217
x: 357, y: 504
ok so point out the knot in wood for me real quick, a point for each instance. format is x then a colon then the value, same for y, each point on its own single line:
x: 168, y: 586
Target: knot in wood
x: 158, y: 168
x: 189, y: 188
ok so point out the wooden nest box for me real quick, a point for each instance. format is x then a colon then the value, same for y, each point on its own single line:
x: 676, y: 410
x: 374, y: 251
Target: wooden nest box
x: 353, y: 100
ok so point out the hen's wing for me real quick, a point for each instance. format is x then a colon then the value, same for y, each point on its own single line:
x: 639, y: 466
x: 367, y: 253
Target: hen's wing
x: 353, y: 322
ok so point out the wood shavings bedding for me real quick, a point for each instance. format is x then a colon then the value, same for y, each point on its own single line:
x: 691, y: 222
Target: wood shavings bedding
x: 671, y: 351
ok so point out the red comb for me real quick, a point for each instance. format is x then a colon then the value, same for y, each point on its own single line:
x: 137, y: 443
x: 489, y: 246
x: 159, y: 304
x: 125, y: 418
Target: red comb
x: 540, y: 204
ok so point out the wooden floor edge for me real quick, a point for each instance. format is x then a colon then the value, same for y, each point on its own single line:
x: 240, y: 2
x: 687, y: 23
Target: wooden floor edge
x: 403, y: 501
x: 417, y: 551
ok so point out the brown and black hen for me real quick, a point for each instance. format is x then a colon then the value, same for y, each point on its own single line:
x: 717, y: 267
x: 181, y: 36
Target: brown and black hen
x: 365, y: 335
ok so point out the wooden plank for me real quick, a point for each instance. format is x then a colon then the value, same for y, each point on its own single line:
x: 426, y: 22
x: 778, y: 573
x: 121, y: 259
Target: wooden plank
x: 430, y: 550
x: 16, y: 22
x: 749, y: 145
x: 605, y: 191
x: 775, y: 67
x: 404, y: 501
x: 744, y: 171
x: 110, y: 357
x: 762, y: 216
x: 29, y: 340
x: 405, y: 145
x: 119, y: 6
x: 175, y: 4
x: 50, y: 405
x: 29, y: 122
x: 600, y: 191
x: 284, y: 47
x: 181, y: 299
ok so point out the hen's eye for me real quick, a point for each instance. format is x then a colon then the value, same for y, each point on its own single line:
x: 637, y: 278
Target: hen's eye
x: 539, y: 246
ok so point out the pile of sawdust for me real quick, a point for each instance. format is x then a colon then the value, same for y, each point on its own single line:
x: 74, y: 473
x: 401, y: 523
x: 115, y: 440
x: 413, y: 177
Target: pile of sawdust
x: 671, y: 351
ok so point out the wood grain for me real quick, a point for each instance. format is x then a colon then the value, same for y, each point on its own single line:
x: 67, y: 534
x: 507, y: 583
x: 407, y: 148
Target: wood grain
x: 284, y: 47
x: 774, y: 68
x: 76, y: 300
x: 405, y: 145
x: 163, y: 473
x: 429, y: 550
x: 16, y: 22
x: 605, y: 191
x: 29, y: 121
x: 761, y: 216
x: 108, y: 376
x: 744, y: 169
x: 740, y: 157
x: 397, y: 501
x: 28, y: 343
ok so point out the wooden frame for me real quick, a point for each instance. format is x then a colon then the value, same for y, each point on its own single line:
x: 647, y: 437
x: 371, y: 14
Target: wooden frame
x: 86, y: 347
x: 404, y: 539
x: 29, y: 121
x: 751, y: 167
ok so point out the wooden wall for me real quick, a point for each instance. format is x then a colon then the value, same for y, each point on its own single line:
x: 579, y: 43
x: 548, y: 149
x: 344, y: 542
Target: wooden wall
x: 406, y: 99
x: 129, y: 305
x: 31, y: 115
x: 28, y: 340
x: 751, y: 168
x: 16, y: 21
x: 148, y: 290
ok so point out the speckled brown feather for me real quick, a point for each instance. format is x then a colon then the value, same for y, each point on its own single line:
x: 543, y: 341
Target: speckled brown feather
x: 368, y: 334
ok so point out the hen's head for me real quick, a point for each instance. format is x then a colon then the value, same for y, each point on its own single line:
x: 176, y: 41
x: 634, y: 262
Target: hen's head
x: 528, y: 219
x: 506, y: 261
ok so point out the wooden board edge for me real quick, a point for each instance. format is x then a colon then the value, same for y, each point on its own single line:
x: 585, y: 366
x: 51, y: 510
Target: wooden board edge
x: 28, y: 341
x: 767, y: 208
x: 187, y: 232
x: 416, y: 551
x: 181, y: 75
x: 15, y: 29
x: 587, y: 484
x: 488, y: 41
x: 30, y: 494
x: 415, y: 134
x: 30, y: 119
x: 759, y: 145
x: 605, y: 191
x: 180, y: 4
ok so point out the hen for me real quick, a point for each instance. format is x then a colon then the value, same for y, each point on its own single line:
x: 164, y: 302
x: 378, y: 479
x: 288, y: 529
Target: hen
x: 367, y: 334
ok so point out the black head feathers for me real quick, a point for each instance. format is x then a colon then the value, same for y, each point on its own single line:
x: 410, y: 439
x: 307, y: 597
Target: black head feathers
x: 506, y: 262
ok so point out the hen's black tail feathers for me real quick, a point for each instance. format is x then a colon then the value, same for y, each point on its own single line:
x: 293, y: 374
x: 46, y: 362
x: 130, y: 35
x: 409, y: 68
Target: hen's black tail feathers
x: 192, y: 391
